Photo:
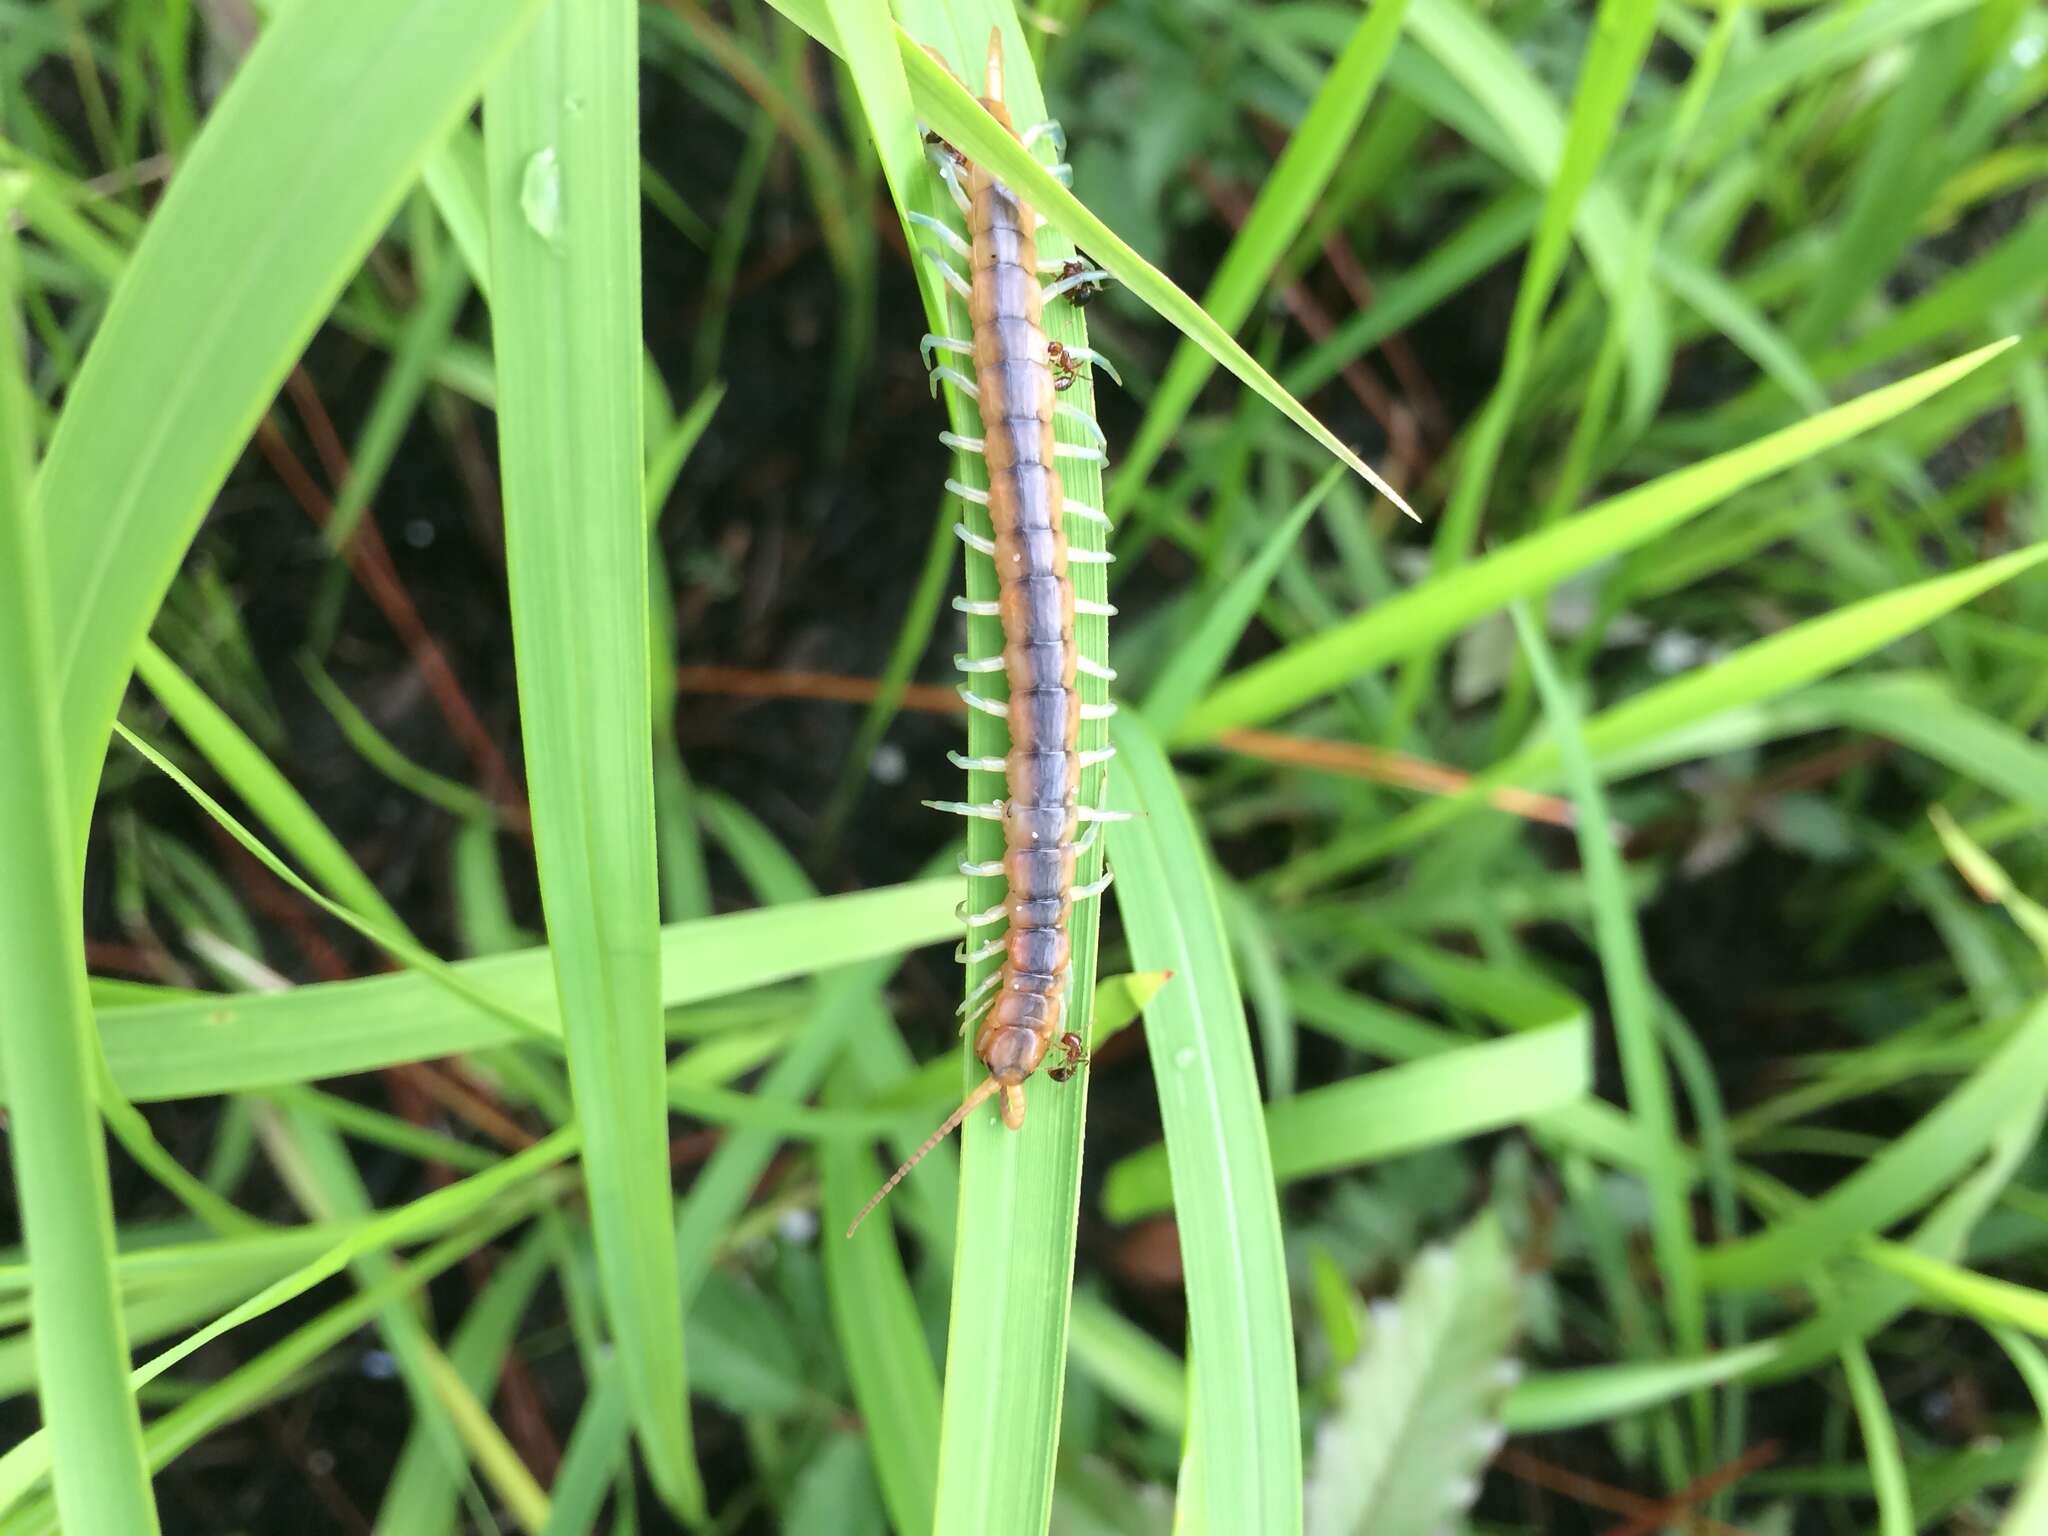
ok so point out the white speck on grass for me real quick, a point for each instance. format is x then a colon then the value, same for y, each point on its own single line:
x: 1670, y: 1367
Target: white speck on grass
x: 540, y: 195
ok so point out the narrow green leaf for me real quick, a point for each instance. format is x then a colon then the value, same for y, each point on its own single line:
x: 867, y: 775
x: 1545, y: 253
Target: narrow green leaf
x: 562, y: 157
x: 58, y: 1152
x: 1427, y: 614
x: 1631, y: 999
x: 1446, y: 1097
x: 1287, y: 196
x: 300, y: 165
x: 1244, y: 1410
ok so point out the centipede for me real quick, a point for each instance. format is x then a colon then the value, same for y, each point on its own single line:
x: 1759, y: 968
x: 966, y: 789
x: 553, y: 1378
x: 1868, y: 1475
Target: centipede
x: 1020, y: 378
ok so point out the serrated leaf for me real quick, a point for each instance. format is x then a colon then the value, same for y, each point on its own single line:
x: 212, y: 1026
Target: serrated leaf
x: 1418, y: 1413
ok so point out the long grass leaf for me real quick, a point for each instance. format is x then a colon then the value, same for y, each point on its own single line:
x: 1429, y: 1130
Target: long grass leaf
x: 561, y: 145
x: 1245, y: 1413
x: 56, y: 1145
x: 1434, y: 611
x: 300, y: 165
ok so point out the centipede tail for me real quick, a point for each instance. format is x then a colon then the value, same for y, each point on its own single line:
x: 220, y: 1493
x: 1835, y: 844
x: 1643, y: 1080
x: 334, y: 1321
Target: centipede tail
x: 1018, y: 380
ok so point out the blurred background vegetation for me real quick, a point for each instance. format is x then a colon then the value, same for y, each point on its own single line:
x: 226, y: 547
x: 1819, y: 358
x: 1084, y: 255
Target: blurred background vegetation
x: 1568, y: 250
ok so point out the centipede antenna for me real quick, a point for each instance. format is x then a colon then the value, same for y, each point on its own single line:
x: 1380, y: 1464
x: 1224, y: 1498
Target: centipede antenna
x: 932, y: 342
x: 968, y: 1106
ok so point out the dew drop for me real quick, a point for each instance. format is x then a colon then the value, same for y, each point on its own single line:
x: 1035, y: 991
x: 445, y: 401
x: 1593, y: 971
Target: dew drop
x: 1185, y: 1058
x: 540, y: 195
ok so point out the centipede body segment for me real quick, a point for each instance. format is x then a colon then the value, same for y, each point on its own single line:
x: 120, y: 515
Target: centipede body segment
x: 1018, y: 379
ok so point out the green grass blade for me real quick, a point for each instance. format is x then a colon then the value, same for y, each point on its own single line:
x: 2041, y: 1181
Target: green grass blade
x: 1192, y: 668
x: 299, y: 167
x: 1941, y: 1145
x: 1427, y: 614
x: 1244, y: 1412
x: 1631, y: 1000
x: 561, y: 147
x: 1759, y: 672
x: 55, y: 1143
x: 1286, y: 198
x: 1447, y: 1097
x: 1880, y: 1445
x: 265, y: 790
x: 183, y: 1046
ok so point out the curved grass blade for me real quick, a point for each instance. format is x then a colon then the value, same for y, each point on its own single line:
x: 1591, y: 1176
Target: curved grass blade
x: 298, y: 168
x: 1244, y: 1413
x: 1447, y: 1097
x: 1424, y: 615
x: 1286, y: 198
x: 1940, y: 1146
x: 55, y: 1142
x: 1760, y: 671
x: 561, y: 152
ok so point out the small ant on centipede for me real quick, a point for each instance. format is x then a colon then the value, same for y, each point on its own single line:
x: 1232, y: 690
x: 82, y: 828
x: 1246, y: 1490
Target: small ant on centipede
x: 1065, y: 370
x: 1077, y: 1058
x: 1081, y: 293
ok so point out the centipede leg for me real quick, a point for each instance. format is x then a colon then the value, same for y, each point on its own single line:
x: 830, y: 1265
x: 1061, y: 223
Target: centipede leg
x: 944, y: 231
x: 1093, y: 887
x: 954, y: 280
x: 1067, y: 284
x: 932, y: 342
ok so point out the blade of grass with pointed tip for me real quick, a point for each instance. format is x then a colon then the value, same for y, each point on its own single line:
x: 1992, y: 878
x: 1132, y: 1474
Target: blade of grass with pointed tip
x: 299, y: 167
x: 561, y: 153
x: 1287, y: 196
x: 1763, y: 670
x: 55, y: 1143
x: 1192, y: 667
x: 1432, y: 612
x: 187, y: 1045
x: 1244, y: 1409
x: 1447, y: 1097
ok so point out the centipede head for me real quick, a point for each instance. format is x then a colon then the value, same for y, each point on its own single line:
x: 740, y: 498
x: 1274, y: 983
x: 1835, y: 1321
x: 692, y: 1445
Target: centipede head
x: 981, y: 1095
